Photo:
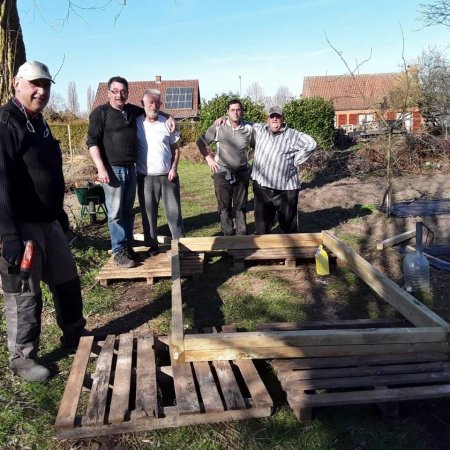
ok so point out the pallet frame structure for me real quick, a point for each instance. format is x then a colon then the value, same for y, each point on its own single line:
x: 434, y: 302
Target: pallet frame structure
x: 428, y: 332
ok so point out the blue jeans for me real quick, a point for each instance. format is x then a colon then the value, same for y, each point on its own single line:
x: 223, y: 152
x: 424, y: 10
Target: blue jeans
x: 120, y: 194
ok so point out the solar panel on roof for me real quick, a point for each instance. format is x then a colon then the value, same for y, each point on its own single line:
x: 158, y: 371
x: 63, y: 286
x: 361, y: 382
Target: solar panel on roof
x: 179, y: 97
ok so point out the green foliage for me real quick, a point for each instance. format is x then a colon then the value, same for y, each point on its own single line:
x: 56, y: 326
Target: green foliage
x: 314, y: 116
x: 78, y: 135
x: 217, y: 107
x: 189, y: 132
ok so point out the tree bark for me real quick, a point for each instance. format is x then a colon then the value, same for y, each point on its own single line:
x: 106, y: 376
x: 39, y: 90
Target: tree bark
x: 12, y: 47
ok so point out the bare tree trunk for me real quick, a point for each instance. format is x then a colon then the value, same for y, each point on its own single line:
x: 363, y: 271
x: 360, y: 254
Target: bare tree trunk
x: 12, y: 47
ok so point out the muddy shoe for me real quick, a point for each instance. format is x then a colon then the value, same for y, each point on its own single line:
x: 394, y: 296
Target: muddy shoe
x: 29, y: 369
x: 122, y: 259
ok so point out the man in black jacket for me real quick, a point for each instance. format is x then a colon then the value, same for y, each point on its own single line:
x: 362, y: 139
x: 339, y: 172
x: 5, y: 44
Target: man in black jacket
x: 31, y: 209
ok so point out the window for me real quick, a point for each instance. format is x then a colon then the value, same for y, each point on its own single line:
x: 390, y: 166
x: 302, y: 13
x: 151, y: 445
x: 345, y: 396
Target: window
x: 179, y: 97
x: 365, y: 118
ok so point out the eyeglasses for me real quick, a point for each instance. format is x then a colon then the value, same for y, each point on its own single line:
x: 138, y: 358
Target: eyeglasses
x: 121, y: 92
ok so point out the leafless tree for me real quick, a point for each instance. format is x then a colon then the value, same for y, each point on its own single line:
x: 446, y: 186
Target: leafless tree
x: 282, y: 96
x: 255, y: 92
x: 434, y: 82
x: 90, y: 99
x: 436, y: 13
x: 72, y: 99
x: 57, y: 103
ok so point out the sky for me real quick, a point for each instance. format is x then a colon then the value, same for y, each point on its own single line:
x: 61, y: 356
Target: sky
x: 227, y: 45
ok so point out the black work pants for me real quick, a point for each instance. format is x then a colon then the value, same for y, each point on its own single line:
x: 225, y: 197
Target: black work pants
x: 232, y: 201
x: 270, y: 202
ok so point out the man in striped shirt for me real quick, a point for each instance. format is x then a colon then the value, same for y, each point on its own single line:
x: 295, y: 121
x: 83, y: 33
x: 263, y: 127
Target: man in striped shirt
x: 279, y: 151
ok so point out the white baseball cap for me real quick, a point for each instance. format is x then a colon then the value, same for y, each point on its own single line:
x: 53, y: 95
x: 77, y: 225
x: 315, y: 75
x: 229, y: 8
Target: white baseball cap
x: 34, y: 70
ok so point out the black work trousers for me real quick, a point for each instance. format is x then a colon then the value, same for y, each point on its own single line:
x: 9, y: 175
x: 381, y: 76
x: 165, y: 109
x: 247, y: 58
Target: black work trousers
x: 232, y: 200
x: 270, y: 202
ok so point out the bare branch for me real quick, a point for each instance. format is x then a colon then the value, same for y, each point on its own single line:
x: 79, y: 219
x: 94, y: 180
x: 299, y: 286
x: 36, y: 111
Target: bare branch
x: 437, y: 13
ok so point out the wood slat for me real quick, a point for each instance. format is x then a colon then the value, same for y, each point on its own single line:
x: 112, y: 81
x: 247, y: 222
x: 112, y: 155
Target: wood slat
x: 352, y: 361
x: 331, y: 324
x: 230, y: 389
x: 416, y: 312
x: 177, y: 339
x: 95, y: 411
x: 225, y: 243
x: 122, y: 380
x: 300, y: 338
x: 313, y: 351
x: 68, y: 407
x: 381, y: 245
x: 367, y: 381
x: 208, y: 389
x: 255, y: 385
x: 375, y: 396
x: 146, y: 386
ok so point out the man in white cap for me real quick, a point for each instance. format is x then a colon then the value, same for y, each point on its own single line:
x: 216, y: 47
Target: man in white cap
x: 31, y: 209
x: 279, y: 151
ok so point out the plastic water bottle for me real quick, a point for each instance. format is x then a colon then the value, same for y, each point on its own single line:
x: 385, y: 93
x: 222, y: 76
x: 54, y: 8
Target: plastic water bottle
x: 322, y: 265
x: 416, y: 268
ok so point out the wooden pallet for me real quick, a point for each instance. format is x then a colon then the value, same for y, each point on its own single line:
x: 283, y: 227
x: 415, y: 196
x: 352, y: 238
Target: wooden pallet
x: 127, y: 384
x: 150, y: 268
x: 288, y: 256
x: 345, y: 380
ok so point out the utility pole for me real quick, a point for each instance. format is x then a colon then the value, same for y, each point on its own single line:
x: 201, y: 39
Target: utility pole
x: 240, y: 86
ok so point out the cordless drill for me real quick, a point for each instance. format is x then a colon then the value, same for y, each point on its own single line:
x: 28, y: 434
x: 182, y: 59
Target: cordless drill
x: 26, y: 266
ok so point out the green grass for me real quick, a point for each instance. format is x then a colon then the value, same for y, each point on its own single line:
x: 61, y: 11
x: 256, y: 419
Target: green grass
x: 28, y: 411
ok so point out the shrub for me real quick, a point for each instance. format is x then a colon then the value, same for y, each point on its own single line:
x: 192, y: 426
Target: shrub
x: 189, y: 132
x: 217, y: 107
x: 78, y: 135
x: 314, y: 116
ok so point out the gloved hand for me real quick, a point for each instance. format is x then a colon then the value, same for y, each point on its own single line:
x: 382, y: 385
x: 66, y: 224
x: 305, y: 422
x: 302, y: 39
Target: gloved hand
x: 12, y: 251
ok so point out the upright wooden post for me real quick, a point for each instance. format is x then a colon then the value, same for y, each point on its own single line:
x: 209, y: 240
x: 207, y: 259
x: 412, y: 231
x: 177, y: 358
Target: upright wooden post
x: 177, y: 339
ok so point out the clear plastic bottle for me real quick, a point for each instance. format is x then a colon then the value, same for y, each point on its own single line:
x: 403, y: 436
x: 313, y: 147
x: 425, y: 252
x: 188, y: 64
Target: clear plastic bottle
x: 416, y: 268
x: 322, y: 265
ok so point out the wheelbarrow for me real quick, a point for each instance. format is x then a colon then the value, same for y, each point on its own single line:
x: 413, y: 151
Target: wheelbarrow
x: 92, y: 200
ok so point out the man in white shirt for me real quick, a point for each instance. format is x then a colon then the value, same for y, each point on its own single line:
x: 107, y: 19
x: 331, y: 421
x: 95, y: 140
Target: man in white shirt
x: 157, y: 161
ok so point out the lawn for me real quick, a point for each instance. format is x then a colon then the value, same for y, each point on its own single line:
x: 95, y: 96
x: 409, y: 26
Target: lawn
x: 247, y: 299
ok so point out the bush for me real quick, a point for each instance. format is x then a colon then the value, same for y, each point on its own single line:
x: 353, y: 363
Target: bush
x: 314, y: 116
x: 78, y: 135
x: 189, y: 132
x: 217, y: 107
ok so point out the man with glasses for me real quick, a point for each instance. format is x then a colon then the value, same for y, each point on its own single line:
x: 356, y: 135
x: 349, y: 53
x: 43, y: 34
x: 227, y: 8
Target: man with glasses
x: 113, y: 147
x: 279, y: 151
x: 234, y: 140
x: 31, y: 209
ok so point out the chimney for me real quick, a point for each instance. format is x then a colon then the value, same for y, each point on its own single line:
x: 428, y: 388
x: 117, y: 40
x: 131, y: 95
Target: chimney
x: 158, y: 78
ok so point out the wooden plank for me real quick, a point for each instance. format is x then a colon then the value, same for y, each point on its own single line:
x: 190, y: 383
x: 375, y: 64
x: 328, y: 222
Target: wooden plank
x: 348, y: 372
x: 208, y: 389
x: 122, y: 380
x: 327, y: 324
x: 378, y: 395
x: 230, y: 389
x: 313, y: 351
x: 68, y: 407
x: 225, y: 243
x: 381, y: 245
x: 298, y: 338
x: 146, y: 385
x: 95, y: 411
x: 255, y: 384
x: 351, y: 361
x: 407, y: 305
x: 177, y: 339
x: 169, y: 421
x: 367, y: 381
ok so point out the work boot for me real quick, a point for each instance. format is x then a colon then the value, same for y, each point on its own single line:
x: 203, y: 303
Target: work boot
x: 29, y: 369
x: 131, y: 253
x: 122, y: 259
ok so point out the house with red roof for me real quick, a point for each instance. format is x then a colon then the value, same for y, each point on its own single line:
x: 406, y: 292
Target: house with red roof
x: 361, y: 99
x: 179, y: 98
